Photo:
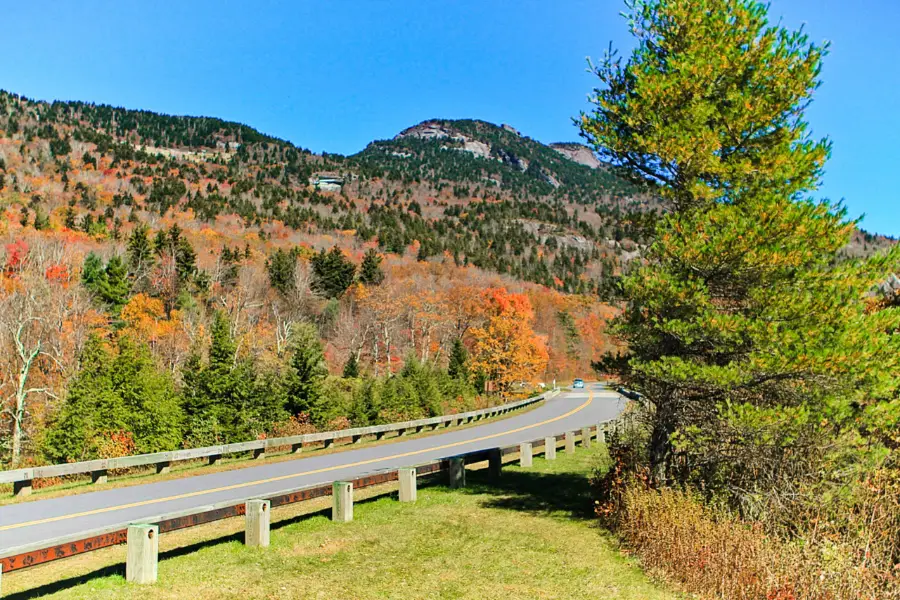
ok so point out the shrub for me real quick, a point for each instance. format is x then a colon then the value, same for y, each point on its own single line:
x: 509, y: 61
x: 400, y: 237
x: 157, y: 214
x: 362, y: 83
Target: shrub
x: 710, y: 552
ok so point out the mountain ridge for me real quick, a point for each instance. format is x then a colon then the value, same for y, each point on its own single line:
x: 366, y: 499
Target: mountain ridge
x: 483, y: 193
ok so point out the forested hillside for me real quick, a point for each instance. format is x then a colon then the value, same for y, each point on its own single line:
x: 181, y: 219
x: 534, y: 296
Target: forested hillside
x: 173, y: 281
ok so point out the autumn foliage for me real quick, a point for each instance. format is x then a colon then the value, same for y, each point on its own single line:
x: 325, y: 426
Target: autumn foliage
x: 505, y: 348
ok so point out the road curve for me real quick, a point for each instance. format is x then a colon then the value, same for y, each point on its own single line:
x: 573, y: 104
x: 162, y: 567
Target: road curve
x: 30, y: 522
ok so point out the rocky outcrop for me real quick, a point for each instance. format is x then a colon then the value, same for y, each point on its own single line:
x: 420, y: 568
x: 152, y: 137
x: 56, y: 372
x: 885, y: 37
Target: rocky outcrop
x: 578, y: 153
x: 428, y: 130
x: 434, y: 130
x: 511, y: 159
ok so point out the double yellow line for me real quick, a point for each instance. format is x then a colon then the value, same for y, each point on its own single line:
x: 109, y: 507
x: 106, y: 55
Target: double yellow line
x: 236, y: 486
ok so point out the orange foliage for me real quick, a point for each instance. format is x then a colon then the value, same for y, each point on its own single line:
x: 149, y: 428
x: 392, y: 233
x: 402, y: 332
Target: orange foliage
x: 506, y: 348
x: 145, y: 317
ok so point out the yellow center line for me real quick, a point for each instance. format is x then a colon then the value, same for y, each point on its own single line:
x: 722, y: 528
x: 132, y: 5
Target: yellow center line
x: 293, y: 475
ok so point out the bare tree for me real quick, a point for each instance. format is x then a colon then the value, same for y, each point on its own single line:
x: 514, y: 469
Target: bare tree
x: 26, y: 325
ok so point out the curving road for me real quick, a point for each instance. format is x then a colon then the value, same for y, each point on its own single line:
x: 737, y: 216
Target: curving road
x: 38, y: 520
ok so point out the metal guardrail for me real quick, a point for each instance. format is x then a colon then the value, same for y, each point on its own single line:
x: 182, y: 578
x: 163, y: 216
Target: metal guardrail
x: 29, y: 555
x: 22, y: 478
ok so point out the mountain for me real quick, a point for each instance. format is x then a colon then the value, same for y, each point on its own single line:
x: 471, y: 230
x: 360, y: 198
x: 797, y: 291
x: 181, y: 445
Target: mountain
x: 483, y: 194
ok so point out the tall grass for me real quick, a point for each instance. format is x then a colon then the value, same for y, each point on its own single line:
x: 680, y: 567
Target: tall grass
x: 712, y: 553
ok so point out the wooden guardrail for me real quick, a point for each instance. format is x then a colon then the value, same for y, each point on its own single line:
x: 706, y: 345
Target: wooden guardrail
x: 142, y: 555
x: 22, y: 479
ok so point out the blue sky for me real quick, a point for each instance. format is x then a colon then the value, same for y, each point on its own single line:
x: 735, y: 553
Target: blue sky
x: 334, y: 75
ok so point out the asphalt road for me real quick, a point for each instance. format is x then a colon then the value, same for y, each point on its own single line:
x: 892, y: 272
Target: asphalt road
x: 38, y: 520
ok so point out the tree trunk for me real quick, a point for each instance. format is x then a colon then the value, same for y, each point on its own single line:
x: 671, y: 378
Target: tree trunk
x: 16, y: 438
x: 27, y: 357
x: 661, y: 445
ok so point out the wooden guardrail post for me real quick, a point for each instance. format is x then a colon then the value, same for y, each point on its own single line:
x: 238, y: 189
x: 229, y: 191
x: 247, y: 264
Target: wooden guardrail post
x: 215, y: 459
x: 142, y: 557
x: 570, y: 442
x: 257, y: 520
x: 99, y: 476
x: 550, y: 448
x: 495, y: 463
x: 586, y: 437
x: 22, y: 488
x: 259, y: 453
x: 457, y: 472
x: 601, y: 433
x: 342, y: 507
x: 525, y: 458
x: 297, y: 448
x: 163, y: 467
x: 407, y: 477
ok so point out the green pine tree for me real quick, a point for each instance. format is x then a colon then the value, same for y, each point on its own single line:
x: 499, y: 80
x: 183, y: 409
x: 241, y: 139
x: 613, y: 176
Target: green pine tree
x: 743, y: 326
x: 370, y: 272
x: 308, y: 371
x: 155, y: 414
x: 115, y: 286
x: 281, y: 266
x: 139, y: 251
x: 458, y: 367
x: 333, y: 273
x: 92, y: 408
x: 93, y: 274
x: 351, y: 367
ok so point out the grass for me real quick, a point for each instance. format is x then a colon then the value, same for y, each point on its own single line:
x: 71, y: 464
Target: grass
x: 82, y: 484
x: 528, y: 535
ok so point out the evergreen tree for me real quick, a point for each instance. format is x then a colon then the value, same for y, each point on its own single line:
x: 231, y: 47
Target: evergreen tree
x: 747, y: 335
x: 222, y: 346
x: 41, y: 220
x: 333, y: 273
x: 308, y: 371
x: 370, y: 272
x: 93, y: 275
x: 458, y: 368
x: 281, y: 266
x: 351, y: 367
x: 92, y: 408
x: 119, y: 392
x: 139, y: 251
x: 226, y: 398
x: 115, y: 286
x: 108, y: 284
x: 155, y: 416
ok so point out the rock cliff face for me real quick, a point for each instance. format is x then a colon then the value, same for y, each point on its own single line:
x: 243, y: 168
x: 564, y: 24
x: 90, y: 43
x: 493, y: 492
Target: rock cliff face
x: 578, y: 153
x: 429, y: 130
x: 435, y: 130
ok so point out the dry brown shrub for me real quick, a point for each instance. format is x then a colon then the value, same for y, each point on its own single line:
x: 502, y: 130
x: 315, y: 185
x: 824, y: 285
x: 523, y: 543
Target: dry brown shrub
x: 711, y: 553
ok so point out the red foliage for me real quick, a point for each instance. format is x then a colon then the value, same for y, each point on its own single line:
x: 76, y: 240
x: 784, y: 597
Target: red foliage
x: 57, y: 274
x: 15, y: 256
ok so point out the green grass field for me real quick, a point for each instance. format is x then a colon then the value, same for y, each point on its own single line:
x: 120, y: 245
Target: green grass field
x: 529, y: 535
